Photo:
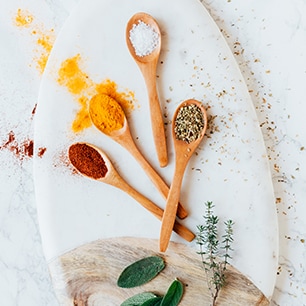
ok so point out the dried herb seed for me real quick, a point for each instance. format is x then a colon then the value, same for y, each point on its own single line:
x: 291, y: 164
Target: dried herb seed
x: 189, y: 123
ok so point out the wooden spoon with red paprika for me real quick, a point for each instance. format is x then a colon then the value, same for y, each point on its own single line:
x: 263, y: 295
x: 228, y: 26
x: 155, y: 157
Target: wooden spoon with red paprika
x: 94, y: 163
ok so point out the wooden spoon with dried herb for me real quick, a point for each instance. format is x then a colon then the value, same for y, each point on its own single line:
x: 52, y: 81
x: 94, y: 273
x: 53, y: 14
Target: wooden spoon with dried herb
x: 188, y: 128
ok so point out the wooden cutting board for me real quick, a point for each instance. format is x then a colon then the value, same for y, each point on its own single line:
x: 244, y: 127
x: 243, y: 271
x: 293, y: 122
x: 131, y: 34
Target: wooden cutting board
x: 230, y: 167
x: 89, y: 274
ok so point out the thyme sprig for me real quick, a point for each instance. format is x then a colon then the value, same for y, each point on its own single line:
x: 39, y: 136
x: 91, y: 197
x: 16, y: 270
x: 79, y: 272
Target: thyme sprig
x: 211, y: 250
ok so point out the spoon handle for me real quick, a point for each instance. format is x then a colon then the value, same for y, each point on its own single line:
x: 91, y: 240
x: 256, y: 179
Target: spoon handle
x: 168, y: 219
x: 127, y: 141
x: 120, y: 183
x: 157, y: 122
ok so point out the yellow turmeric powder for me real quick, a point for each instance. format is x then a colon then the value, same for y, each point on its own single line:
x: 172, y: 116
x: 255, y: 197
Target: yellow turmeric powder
x: 71, y: 76
x: 43, y: 39
x: 106, y: 113
x: 46, y: 43
x: 82, y: 119
x: 110, y: 88
x: 82, y: 87
x: 23, y: 18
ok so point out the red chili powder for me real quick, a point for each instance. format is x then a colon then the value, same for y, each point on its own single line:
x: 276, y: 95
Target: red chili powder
x: 87, y: 160
x: 34, y: 109
x: 28, y: 148
x: 25, y: 149
x: 41, y: 152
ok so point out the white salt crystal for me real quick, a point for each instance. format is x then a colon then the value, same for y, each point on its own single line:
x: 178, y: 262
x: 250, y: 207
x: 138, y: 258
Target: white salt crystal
x: 143, y: 38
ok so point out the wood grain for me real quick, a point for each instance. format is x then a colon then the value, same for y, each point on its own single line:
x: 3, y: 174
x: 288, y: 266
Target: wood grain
x: 87, y: 275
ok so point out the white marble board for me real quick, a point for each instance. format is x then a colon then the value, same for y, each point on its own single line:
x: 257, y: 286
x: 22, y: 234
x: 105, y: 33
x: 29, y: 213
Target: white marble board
x: 230, y: 167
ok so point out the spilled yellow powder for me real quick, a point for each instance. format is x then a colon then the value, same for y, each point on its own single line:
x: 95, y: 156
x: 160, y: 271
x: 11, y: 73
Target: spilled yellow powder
x: 45, y: 42
x: 72, y: 77
x: 82, y: 119
x: 110, y: 88
x: 43, y: 39
x: 23, y: 18
x: 83, y: 88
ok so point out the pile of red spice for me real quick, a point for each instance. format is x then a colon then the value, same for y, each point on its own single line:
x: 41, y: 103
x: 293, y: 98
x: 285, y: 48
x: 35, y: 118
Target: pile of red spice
x: 87, y: 160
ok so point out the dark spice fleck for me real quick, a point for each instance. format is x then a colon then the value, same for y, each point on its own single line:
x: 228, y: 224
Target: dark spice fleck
x: 34, y: 109
x: 41, y: 152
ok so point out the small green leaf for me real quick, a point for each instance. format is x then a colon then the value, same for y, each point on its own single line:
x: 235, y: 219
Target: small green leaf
x: 138, y: 299
x: 153, y: 302
x: 140, y: 272
x: 173, y: 295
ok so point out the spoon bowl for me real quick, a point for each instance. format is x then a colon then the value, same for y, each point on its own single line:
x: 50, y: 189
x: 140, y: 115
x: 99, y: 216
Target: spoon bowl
x: 150, y: 21
x: 148, y: 65
x: 183, y: 152
x: 124, y: 138
x: 183, y: 149
x: 95, y: 157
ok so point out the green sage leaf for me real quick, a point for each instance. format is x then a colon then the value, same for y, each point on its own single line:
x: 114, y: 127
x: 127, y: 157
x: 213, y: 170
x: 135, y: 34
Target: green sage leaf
x: 140, y: 272
x: 173, y: 295
x: 153, y: 302
x: 138, y: 299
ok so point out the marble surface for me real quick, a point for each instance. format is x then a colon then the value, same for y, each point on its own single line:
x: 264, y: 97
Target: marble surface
x: 268, y: 39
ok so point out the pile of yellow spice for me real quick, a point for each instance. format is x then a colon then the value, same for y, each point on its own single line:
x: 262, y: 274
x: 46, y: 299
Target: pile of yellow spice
x: 85, y: 91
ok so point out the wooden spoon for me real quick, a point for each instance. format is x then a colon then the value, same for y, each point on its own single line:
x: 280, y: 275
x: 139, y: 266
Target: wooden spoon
x: 124, y: 138
x: 183, y: 152
x: 110, y: 176
x: 148, y: 65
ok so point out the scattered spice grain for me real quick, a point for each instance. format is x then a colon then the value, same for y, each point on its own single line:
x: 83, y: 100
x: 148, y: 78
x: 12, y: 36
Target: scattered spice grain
x: 87, y: 160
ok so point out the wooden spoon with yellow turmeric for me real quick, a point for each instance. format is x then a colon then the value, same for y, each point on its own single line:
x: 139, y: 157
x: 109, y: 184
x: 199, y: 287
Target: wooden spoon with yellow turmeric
x: 108, y: 116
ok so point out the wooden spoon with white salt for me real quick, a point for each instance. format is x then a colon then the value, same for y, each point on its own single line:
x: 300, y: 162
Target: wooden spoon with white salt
x: 143, y: 39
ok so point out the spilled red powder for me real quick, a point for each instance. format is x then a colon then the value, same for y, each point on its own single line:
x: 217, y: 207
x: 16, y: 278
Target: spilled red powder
x: 41, y: 152
x: 28, y: 148
x: 34, y: 109
x: 22, y: 150
x: 61, y: 160
x: 11, y: 138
